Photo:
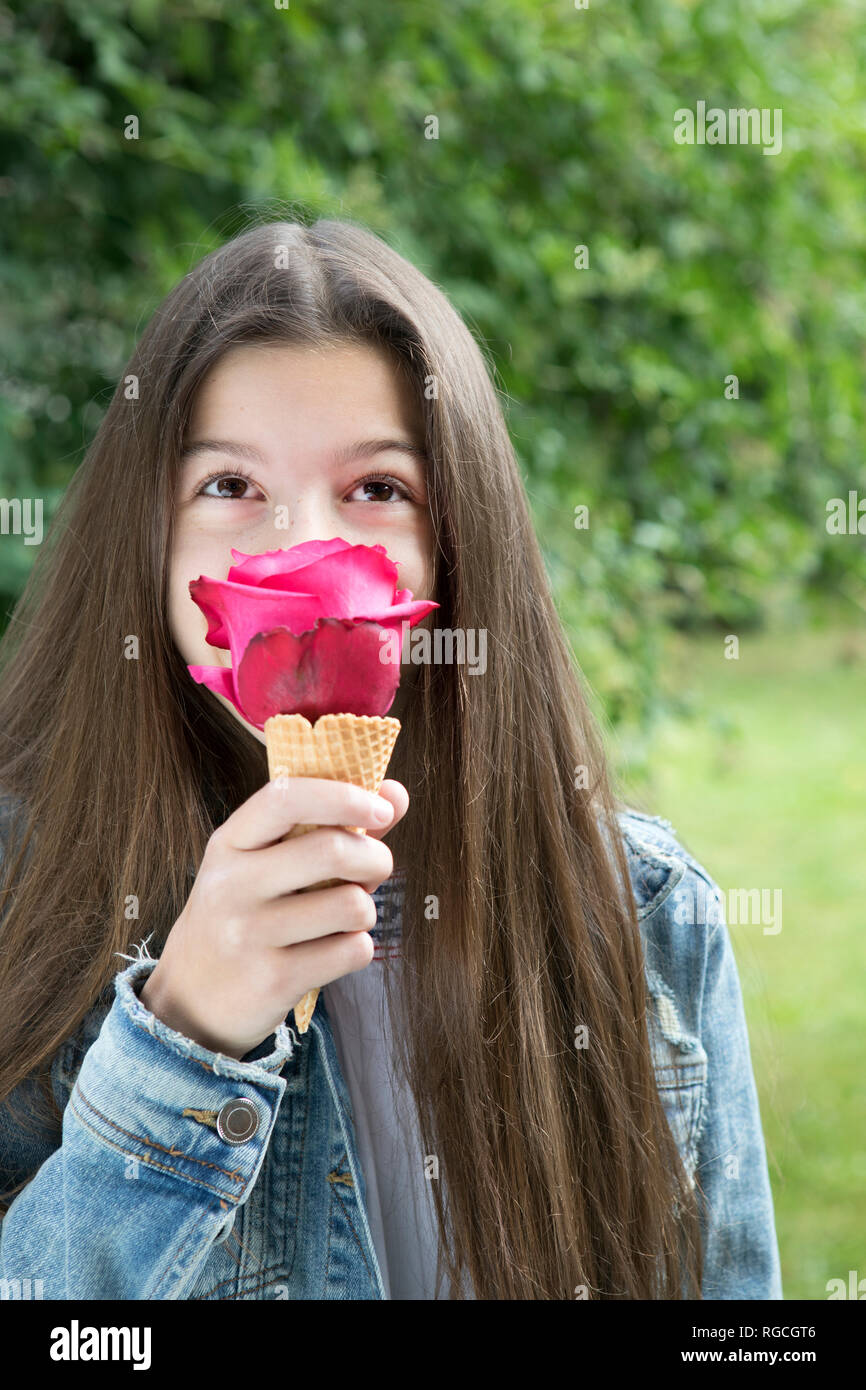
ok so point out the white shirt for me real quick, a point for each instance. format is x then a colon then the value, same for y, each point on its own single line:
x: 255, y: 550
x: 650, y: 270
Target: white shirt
x: 399, y: 1198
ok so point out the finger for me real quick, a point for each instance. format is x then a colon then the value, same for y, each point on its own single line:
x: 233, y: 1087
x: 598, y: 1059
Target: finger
x: 398, y: 796
x: 276, y: 807
x: 331, y: 852
x: 310, y: 916
x: 312, y: 964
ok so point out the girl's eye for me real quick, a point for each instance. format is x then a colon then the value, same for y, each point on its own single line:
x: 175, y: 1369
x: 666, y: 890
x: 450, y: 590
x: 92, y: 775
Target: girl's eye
x: 381, y: 480
x: 238, y: 476
x: 377, y: 481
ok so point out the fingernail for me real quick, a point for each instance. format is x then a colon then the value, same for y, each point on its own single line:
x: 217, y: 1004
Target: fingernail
x: 382, y: 810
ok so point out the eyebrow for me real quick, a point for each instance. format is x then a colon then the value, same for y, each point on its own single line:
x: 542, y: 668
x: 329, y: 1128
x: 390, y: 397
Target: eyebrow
x: 362, y: 448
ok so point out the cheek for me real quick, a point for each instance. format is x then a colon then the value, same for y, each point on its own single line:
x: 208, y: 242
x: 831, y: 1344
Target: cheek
x: 425, y: 569
x: 181, y: 622
x: 418, y: 572
x: 187, y: 623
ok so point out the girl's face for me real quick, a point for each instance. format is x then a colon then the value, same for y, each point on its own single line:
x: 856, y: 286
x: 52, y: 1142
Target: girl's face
x: 307, y: 427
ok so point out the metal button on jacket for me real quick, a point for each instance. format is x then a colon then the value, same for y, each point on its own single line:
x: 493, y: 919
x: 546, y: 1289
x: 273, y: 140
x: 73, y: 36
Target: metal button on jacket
x: 237, y: 1121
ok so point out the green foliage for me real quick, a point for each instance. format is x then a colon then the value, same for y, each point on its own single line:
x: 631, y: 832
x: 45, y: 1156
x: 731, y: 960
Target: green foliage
x: 772, y: 797
x: 555, y: 130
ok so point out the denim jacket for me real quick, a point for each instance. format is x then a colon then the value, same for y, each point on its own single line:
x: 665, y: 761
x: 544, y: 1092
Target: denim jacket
x: 159, y: 1168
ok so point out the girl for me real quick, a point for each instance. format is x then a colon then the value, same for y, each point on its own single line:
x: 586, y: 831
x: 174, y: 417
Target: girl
x: 537, y: 1081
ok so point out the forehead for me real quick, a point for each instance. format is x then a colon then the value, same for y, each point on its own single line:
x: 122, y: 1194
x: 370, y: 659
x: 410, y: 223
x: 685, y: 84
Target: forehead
x: 300, y: 380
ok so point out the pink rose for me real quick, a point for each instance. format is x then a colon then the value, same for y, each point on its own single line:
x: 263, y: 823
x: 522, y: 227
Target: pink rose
x: 304, y: 627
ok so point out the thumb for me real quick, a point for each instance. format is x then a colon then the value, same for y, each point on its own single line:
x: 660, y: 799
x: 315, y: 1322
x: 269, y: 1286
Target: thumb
x: 398, y: 796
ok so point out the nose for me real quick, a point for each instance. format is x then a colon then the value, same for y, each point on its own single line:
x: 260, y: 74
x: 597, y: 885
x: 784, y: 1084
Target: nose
x: 300, y: 517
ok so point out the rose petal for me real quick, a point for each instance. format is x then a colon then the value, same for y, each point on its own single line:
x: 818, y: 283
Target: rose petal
x: 236, y: 612
x: 252, y: 569
x: 323, y: 605
x: 219, y: 679
x: 350, y: 582
x: 341, y: 667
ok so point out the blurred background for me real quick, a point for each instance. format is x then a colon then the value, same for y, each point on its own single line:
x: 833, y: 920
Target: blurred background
x: 694, y: 378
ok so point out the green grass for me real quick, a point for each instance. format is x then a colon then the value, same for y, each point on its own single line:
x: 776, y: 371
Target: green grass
x: 766, y: 786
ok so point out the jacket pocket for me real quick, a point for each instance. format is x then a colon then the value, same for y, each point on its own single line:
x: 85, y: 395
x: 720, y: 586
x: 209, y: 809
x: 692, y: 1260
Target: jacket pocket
x: 680, y: 1066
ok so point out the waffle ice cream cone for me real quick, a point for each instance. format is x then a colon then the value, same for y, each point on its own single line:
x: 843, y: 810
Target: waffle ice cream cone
x: 343, y: 747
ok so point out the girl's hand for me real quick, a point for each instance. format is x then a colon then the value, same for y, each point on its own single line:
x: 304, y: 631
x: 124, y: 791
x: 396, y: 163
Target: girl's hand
x: 247, y: 946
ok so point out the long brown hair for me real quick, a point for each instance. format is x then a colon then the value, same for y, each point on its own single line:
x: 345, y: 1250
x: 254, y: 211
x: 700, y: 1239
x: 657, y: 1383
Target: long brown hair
x: 558, y: 1171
